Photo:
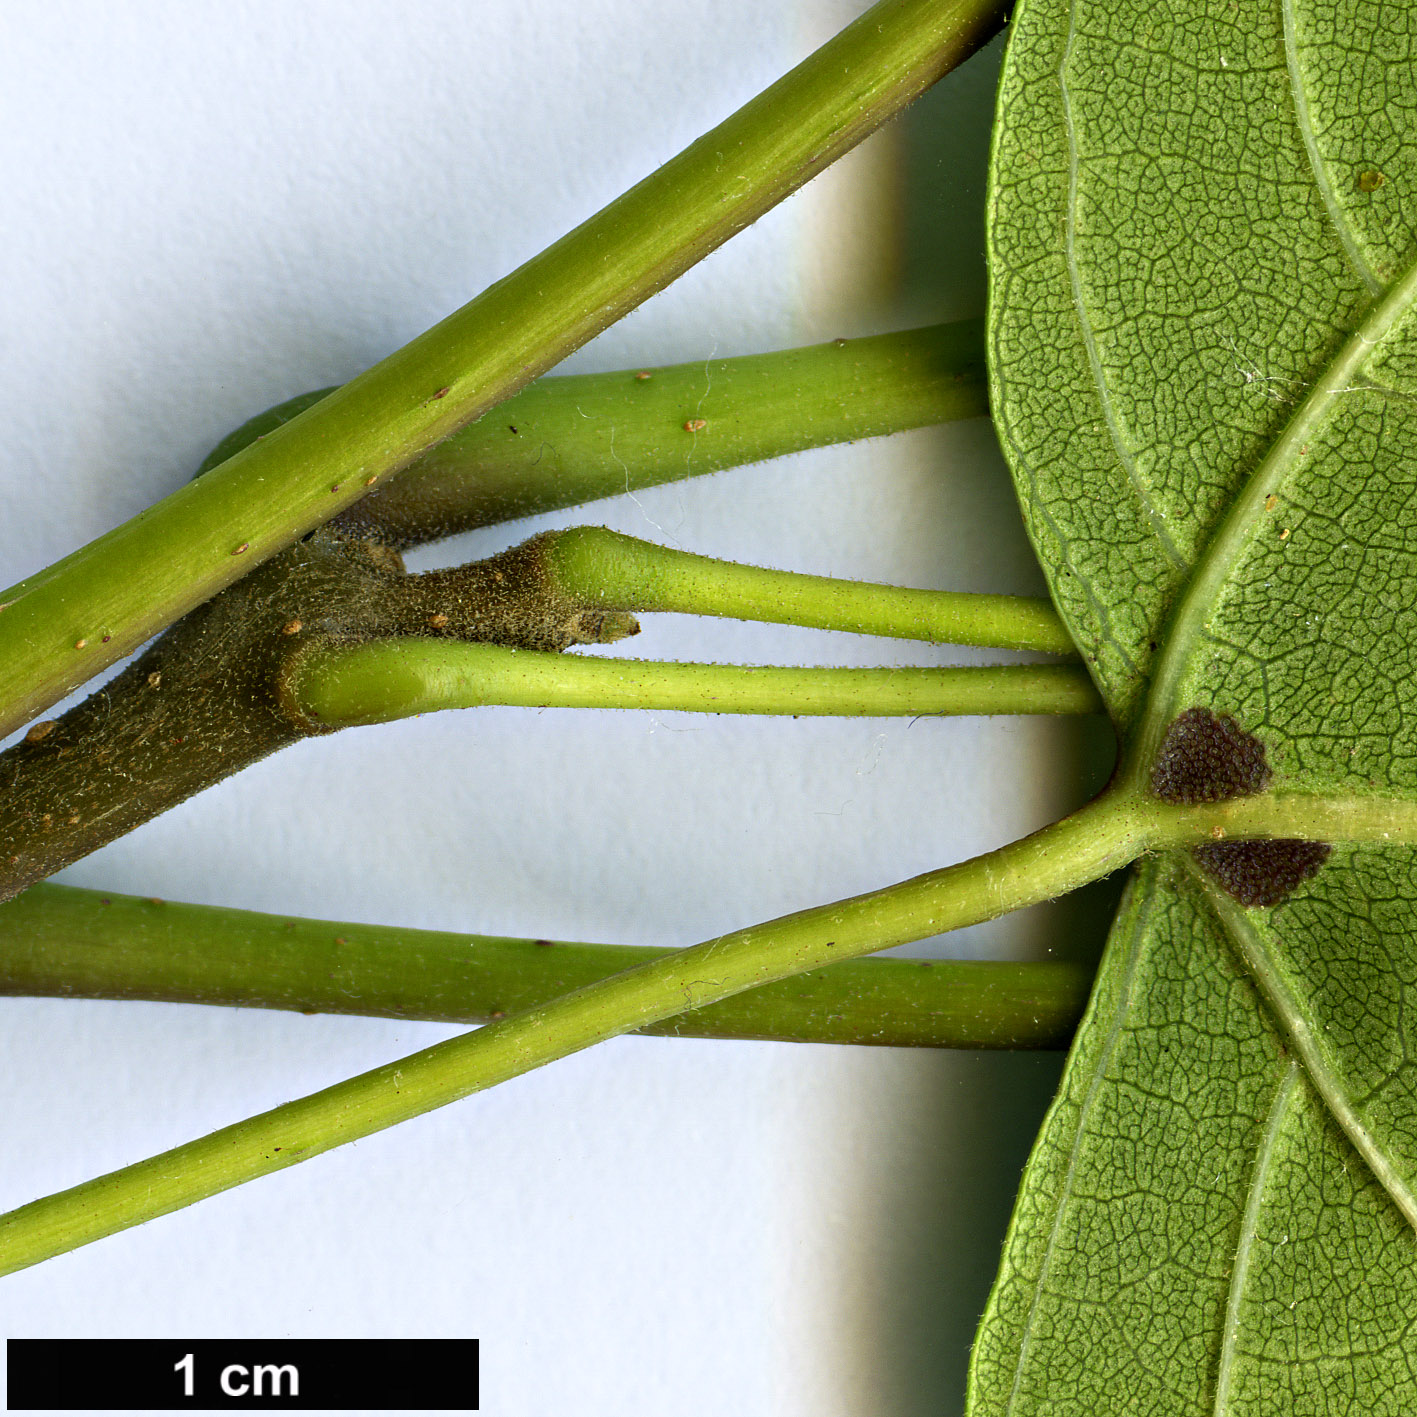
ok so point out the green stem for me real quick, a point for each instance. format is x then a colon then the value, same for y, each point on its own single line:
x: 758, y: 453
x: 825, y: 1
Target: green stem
x: 382, y: 680
x: 571, y: 439
x: 1093, y: 842
x: 60, y: 941
x: 68, y: 622
x: 604, y: 568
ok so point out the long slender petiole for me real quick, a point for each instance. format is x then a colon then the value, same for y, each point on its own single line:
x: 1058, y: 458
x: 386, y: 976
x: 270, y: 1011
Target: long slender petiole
x: 61, y: 941
x: 618, y: 572
x: 1093, y: 842
x: 383, y: 680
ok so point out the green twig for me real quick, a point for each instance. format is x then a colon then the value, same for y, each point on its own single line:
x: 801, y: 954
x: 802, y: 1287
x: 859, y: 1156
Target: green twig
x: 1095, y: 841
x: 571, y: 438
x: 66, y: 623
x: 61, y: 941
x: 382, y: 680
x: 619, y: 572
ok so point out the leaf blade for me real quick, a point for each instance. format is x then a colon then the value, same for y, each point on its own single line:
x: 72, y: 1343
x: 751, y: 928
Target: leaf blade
x: 1203, y: 346
x: 1248, y: 1307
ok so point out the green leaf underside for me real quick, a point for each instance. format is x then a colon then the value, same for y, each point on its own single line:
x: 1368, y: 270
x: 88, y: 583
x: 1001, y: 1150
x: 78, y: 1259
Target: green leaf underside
x: 1179, y: 1245
x: 1204, y: 354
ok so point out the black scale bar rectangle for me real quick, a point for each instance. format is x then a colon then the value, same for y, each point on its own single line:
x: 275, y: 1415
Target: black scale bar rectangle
x: 260, y: 1375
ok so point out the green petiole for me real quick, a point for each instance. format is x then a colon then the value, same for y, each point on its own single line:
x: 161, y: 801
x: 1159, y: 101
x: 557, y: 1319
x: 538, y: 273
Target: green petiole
x: 620, y: 572
x: 383, y: 680
x: 64, y: 942
x: 1093, y: 842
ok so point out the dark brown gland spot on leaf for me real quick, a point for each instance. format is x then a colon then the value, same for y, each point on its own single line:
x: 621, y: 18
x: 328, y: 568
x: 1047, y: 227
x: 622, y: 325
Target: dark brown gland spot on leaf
x: 1261, y: 872
x: 1207, y: 757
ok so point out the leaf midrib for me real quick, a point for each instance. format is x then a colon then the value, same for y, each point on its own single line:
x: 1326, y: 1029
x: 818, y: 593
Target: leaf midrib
x: 1244, y: 1244
x: 1297, y: 816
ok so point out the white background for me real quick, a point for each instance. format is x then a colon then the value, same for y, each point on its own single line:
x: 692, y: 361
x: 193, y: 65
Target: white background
x: 211, y: 207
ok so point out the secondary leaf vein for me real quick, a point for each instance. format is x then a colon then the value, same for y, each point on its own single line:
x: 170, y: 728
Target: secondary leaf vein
x: 1125, y: 455
x: 1218, y: 560
x: 1305, y: 123
x: 1269, y: 978
x: 1244, y: 1245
